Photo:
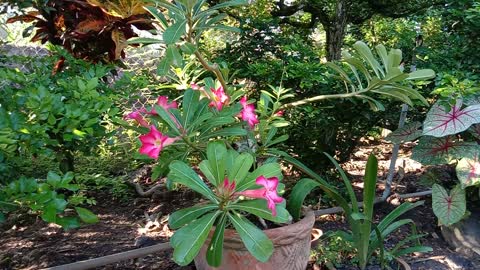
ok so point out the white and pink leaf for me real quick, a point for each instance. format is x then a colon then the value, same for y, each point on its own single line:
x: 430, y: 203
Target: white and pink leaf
x: 407, y: 133
x: 434, y: 151
x: 468, y: 171
x: 441, y: 121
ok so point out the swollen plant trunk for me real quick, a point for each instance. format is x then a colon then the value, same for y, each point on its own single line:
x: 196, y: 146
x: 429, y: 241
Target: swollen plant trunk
x: 291, y: 249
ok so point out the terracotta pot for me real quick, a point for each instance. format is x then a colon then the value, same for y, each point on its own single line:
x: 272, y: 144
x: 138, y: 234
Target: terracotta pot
x: 291, y: 249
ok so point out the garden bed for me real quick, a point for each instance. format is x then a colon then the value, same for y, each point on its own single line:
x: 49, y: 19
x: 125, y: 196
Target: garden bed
x: 31, y: 244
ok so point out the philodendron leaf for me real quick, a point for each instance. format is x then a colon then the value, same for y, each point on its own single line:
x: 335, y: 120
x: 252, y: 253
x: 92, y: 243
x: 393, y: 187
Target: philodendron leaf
x: 433, y: 151
x: 254, y: 239
x: 449, y: 208
x: 407, y: 133
x: 468, y: 170
x: 187, y: 241
x: 440, y: 122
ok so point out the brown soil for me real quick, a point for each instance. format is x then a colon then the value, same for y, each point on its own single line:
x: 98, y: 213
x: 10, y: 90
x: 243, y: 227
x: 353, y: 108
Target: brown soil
x: 31, y: 244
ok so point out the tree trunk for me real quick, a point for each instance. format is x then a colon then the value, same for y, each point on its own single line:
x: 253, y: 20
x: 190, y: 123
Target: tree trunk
x: 335, y: 31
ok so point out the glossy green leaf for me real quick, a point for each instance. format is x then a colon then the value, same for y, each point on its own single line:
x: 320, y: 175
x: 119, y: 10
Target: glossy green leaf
x: 301, y: 189
x: 267, y: 170
x: 187, y: 241
x: 174, y: 56
x: 183, y: 174
x: 184, y: 216
x: 240, y: 168
x: 173, y: 33
x: 216, y: 152
x: 190, y: 103
x: 254, y: 239
x: 215, y: 249
x: 259, y: 208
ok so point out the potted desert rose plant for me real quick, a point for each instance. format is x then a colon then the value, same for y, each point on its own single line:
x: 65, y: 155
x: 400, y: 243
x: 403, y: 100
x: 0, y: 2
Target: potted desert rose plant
x: 217, y: 142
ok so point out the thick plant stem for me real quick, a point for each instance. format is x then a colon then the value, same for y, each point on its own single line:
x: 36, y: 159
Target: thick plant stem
x: 213, y: 68
x: 321, y: 97
x: 393, y: 160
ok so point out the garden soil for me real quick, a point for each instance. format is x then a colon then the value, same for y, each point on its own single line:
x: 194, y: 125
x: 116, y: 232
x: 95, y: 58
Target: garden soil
x: 139, y: 222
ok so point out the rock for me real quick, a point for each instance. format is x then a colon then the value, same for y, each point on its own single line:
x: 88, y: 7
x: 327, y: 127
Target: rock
x: 144, y: 241
x: 464, y: 236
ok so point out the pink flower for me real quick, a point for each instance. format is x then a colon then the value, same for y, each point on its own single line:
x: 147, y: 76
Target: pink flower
x: 219, y: 98
x: 248, y: 113
x: 137, y: 116
x: 279, y: 113
x: 153, y: 142
x: 194, y: 86
x: 268, y: 192
x: 162, y: 101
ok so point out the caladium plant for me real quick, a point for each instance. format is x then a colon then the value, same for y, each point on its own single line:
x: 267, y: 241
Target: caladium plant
x: 441, y: 142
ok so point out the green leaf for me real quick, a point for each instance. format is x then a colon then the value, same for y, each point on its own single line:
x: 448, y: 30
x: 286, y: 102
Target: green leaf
x: 164, y: 66
x: 301, y: 189
x: 254, y: 239
x: 53, y: 179
x: 157, y: 15
x: 267, y: 170
x: 68, y: 223
x: 409, y: 132
x: 167, y: 117
x: 190, y: 104
x: 216, y: 152
x: 232, y: 3
x: 215, y: 249
x: 370, y: 182
x: 449, y: 209
x: 347, y: 183
x: 241, y: 167
x: 174, y: 56
x: 259, y: 208
x: 2, y: 218
x: 183, y: 174
x: 143, y: 40
x: 207, y: 172
x: 421, y: 74
x: 184, y: 216
x: 173, y: 33
x: 86, y: 215
x: 187, y: 241
x: 188, y: 48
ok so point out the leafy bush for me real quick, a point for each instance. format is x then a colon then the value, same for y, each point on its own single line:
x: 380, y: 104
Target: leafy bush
x: 56, y: 114
x: 48, y: 199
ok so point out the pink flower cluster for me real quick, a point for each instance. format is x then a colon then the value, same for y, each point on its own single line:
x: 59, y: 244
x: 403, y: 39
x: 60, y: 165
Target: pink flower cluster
x: 154, y: 141
x: 267, y: 192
